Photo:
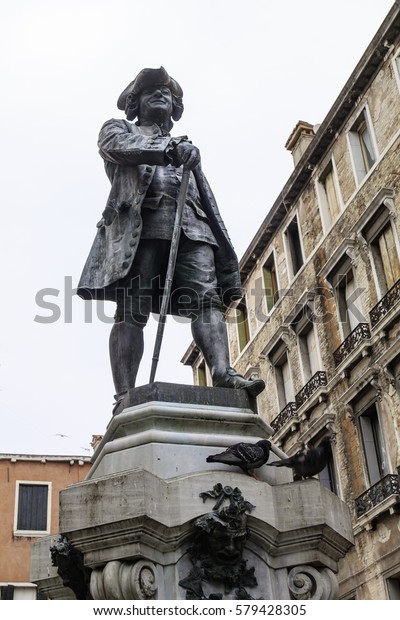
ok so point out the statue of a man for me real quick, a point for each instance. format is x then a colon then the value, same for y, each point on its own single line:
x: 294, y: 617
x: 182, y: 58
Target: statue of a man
x: 129, y: 257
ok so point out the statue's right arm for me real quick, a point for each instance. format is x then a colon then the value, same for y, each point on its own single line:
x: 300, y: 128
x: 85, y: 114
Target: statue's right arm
x: 124, y: 144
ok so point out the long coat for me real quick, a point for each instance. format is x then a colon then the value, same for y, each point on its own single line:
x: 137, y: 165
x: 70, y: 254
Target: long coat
x: 130, y: 154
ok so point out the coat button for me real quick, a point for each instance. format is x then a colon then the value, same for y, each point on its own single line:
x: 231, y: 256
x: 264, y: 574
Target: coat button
x: 125, y: 264
x: 132, y: 242
x: 128, y: 254
x: 148, y: 169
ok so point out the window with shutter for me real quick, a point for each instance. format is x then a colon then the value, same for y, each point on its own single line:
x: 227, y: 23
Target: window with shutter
x: 242, y: 325
x: 329, y: 198
x: 386, y: 258
x: 201, y: 375
x: 362, y: 146
x: 380, y: 235
x: 327, y: 477
x: 270, y: 283
x: 293, y: 246
x: 283, y: 378
x: 7, y: 593
x: 348, y: 302
x: 32, y: 508
x: 374, y: 450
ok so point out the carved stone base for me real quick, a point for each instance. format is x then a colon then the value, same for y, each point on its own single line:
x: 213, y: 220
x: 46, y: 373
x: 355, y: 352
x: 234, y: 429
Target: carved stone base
x: 135, y: 518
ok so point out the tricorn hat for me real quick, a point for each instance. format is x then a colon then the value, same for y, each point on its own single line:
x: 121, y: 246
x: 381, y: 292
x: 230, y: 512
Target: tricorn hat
x: 145, y: 79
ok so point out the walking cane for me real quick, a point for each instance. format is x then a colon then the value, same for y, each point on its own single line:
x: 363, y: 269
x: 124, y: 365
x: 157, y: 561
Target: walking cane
x: 170, y: 270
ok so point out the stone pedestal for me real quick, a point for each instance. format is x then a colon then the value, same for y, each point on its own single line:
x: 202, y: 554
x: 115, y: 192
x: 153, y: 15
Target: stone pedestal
x: 135, y: 518
x: 169, y: 430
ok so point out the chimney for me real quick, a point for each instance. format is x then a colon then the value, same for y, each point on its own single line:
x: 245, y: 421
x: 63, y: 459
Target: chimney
x: 299, y: 140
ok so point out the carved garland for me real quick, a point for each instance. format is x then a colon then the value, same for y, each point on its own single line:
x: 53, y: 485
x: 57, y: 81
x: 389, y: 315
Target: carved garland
x: 216, y: 553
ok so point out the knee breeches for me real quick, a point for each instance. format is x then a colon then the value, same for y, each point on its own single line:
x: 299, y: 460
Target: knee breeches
x: 194, y: 286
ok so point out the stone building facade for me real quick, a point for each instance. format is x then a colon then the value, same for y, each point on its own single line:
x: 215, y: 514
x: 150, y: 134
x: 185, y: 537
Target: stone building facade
x: 320, y: 317
x: 29, y: 490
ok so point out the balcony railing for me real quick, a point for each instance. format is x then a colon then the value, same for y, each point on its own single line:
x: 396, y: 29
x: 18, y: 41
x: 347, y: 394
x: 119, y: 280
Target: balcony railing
x: 352, y: 341
x: 284, y: 416
x: 318, y: 380
x: 389, y: 485
x: 385, y: 304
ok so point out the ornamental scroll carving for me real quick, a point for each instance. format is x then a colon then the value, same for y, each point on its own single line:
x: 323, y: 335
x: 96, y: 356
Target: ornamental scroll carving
x: 124, y: 581
x: 310, y: 583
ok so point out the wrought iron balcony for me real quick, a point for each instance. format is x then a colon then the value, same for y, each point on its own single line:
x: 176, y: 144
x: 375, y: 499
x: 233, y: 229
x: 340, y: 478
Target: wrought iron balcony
x: 389, y: 485
x: 284, y: 416
x: 385, y: 304
x: 318, y: 380
x: 352, y: 341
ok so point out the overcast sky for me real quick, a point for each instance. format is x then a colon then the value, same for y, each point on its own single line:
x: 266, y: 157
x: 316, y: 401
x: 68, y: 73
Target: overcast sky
x: 249, y: 71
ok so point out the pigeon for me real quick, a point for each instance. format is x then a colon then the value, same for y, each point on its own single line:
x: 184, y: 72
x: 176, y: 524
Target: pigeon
x: 247, y: 456
x: 308, y: 462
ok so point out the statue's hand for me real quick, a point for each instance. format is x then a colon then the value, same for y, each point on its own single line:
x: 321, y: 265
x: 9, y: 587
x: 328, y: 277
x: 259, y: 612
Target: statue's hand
x: 186, y: 154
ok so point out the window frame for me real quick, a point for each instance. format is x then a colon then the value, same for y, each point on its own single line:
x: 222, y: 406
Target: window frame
x: 341, y: 297
x: 361, y: 404
x: 302, y: 328
x: 201, y: 373
x: 331, y: 477
x: 305, y: 354
x: 274, y: 293
x: 379, y: 447
x: 322, y: 195
x: 357, y: 146
x: 330, y: 468
x: 30, y: 533
x: 382, y: 274
x: 338, y: 278
x: 289, y: 247
x: 383, y: 200
x: 396, y: 67
x: 278, y: 357
x: 239, y: 308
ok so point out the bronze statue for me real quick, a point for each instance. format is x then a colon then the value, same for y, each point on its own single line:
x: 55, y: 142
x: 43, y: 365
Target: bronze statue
x: 129, y: 257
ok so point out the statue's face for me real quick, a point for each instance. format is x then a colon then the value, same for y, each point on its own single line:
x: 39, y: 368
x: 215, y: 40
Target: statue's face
x: 155, y: 103
x: 226, y: 546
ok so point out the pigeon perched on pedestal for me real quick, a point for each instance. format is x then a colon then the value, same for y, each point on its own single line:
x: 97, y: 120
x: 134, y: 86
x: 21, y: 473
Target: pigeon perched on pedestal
x: 247, y: 456
x: 308, y: 462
